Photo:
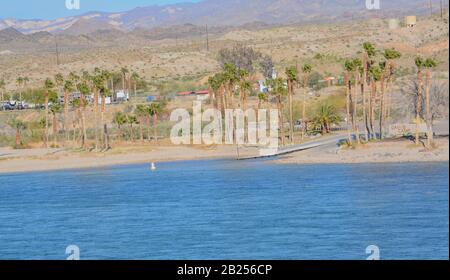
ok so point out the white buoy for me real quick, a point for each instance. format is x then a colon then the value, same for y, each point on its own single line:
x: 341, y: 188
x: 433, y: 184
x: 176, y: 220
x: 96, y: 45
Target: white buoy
x: 153, y: 166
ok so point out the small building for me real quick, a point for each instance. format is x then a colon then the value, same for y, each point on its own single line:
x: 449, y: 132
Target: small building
x: 393, y: 24
x: 202, y: 92
x: 410, y: 21
x: 329, y: 80
x: 185, y: 93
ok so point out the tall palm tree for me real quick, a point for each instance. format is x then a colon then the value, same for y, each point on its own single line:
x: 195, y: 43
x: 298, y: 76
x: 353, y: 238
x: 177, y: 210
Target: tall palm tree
x: 306, y: 69
x: 135, y: 78
x: 141, y: 114
x: 48, y: 86
x: 216, y: 83
x: 55, y: 109
x: 376, y: 76
x: 154, y: 109
x: 368, y: 54
x: 68, y: 88
x: 278, y: 90
x: 19, y: 82
x: 18, y: 125
x: 420, y: 63
x: 120, y: 119
x: 230, y: 77
x: 131, y: 120
x: 357, y: 63
x: 390, y: 55
x: 98, y: 84
x: 124, y: 71
x: 349, y: 68
x: 292, y: 78
x: 84, y: 90
x: 2, y: 89
x: 428, y: 64
x: 25, y: 83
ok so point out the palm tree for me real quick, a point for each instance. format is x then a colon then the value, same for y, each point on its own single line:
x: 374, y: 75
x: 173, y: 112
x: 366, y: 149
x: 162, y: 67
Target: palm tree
x: 216, y: 83
x: 48, y: 86
x: 230, y: 77
x: 59, y: 81
x: 25, y: 82
x: 389, y: 55
x: 376, y: 75
x: 120, y: 119
x: 428, y: 64
x: 131, y: 120
x: 124, y: 71
x: 357, y: 63
x: 278, y: 89
x: 420, y: 63
x: 306, y: 69
x: 369, y: 53
x: 55, y: 109
x: 135, y: 78
x: 292, y: 77
x: 83, y: 88
x: 68, y: 87
x: 98, y: 84
x: 349, y: 66
x: 153, y: 110
x: 2, y: 89
x: 141, y: 113
x: 325, y: 117
x: 19, y: 82
x: 18, y: 125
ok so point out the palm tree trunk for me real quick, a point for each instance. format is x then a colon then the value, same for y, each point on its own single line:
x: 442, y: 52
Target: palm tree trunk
x: 18, y: 140
x: 382, y: 109
x: 419, y: 105
x: 373, y: 97
x: 46, y: 118
x: 155, y: 129
x: 131, y: 133
x: 141, y: 132
x: 83, y: 123
x: 280, y: 117
x: 428, y: 110
x: 355, y: 108
x: 55, y: 131
x: 305, y: 89
x: 347, y: 98
x: 66, y: 114
x: 149, y: 118
x: 102, y: 117
x: 291, y: 116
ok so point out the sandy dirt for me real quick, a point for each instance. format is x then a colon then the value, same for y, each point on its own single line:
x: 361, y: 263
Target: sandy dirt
x: 30, y: 160
x: 385, y: 152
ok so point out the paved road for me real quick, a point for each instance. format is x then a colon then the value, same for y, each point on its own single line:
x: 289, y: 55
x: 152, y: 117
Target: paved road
x: 322, y: 142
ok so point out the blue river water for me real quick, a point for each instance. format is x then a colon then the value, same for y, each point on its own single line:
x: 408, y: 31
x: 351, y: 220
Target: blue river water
x: 228, y: 210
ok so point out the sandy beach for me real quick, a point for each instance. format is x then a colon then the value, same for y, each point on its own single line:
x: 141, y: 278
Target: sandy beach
x: 31, y: 160
x: 400, y: 150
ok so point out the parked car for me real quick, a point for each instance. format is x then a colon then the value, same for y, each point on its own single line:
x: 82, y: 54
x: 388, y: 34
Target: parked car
x: 7, y: 107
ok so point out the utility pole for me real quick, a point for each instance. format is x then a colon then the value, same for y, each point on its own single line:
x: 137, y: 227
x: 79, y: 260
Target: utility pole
x: 431, y: 7
x: 442, y: 8
x: 207, y: 39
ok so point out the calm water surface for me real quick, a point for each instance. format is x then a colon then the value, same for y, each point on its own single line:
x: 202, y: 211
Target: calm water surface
x: 228, y: 210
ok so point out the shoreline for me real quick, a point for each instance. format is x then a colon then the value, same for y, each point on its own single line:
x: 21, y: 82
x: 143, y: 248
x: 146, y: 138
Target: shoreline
x: 43, y: 160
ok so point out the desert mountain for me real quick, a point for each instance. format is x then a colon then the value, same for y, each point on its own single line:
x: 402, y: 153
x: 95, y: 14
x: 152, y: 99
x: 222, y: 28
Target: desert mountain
x: 221, y: 13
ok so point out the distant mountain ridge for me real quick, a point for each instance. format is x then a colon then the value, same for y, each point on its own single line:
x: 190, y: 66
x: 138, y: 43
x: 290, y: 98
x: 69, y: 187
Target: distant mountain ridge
x: 220, y: 13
